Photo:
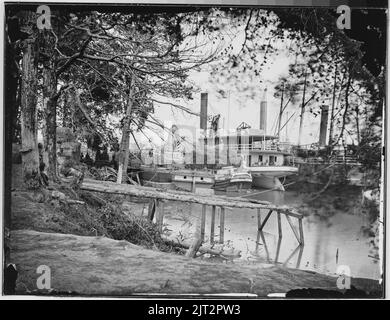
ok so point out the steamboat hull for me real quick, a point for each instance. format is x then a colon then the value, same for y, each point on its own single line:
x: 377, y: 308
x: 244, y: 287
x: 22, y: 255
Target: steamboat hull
x: 269, y: 177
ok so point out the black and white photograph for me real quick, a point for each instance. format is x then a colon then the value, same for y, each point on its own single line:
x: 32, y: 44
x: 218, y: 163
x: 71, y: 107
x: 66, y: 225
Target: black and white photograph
x: 192, y: 150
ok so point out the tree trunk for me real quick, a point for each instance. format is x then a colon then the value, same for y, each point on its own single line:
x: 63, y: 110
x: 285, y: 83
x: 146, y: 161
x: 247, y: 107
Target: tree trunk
x: 357, y: 125
x: 302, y: 111
x: 280, y: 113
x: 345, y: 110
x: 50, y: 104
x: 332, y: 110
x: 30, y: 156
x: 124, y: 146
x: 10, y: 114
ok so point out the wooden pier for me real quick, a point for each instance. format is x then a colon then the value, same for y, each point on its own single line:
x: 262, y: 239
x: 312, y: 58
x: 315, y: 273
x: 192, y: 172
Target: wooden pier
x: 221, y: 203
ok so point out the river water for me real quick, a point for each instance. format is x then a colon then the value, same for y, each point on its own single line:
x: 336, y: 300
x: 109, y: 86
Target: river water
x: 331, y: 240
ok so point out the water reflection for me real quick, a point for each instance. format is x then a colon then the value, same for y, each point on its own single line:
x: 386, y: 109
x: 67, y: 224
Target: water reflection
x: 297, y: 251
x: 340, y: 232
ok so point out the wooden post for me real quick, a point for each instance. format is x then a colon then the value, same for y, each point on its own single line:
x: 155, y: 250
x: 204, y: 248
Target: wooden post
x: 278, y: 249
x: 265, y: 220
x: 195, y: 245
x: 151, y: 209
x: 280, y: 236
x: 291, y: 255
x: 279, y: 225
x: 299, y: 256
x: 222, y: 225
x: 203, y: 222
x: 258, y: 228
x: 160, y: 214
x: 302, y: 240
x: 212, y: 224
x: 197, y: 241
x: 292, y: 228
x: 138, y: 179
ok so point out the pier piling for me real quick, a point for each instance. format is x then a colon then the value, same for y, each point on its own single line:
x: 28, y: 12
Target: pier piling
x: 222, y: 225
x: 212, y: 227
x: 203, y: 222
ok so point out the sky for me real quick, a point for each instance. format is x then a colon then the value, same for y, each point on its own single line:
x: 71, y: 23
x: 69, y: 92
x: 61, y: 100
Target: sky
x: 239, y: 108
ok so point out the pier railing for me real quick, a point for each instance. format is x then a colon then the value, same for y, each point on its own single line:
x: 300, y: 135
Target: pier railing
x: 158, y: 197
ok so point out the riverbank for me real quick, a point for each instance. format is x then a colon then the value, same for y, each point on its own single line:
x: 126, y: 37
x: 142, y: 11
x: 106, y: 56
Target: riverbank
x: 77, y: 241
x: 84, y: 265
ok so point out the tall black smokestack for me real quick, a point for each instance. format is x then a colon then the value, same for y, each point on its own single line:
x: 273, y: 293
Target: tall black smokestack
x: 323, y: 125
x: 203, y: 111
x: 263, y: 112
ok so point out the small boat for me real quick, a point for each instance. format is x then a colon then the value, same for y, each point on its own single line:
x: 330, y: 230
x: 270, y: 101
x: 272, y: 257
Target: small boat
x: 190, y: 180
x: 150, y: 174
x: 232, y: 179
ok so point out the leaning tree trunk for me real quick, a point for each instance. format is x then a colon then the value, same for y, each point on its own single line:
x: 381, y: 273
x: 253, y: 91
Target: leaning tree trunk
x: 302, y: 110
x: 29, y: 121
x: 50, y: 98
x: 124, y: 146
x: 357, y: 125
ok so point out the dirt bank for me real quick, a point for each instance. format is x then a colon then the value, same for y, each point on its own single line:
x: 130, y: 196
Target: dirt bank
x: 102, y: 266
x: 77, y: 243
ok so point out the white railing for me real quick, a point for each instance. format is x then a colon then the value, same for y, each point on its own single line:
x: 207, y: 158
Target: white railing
x: 248, y: 146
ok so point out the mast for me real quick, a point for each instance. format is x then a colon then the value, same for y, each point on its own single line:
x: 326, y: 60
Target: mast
x: 280, y: 112
x: 286, y: 127
x: 302, y: 111
x: 228, y: 118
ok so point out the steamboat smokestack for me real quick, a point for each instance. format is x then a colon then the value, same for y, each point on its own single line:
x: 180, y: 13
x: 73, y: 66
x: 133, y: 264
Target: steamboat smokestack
x: 323, y: 125
x: 263, y: 112
x: 203, y: 111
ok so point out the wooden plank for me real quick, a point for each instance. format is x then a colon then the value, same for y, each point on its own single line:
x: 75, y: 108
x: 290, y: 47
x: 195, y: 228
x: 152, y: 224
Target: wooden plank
x: 149, y: 192
x: 222, y: 225
x: 203, y: 222
x: 293, y: 228
x: 212, y: 227
x: 265, y: 220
